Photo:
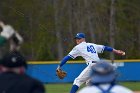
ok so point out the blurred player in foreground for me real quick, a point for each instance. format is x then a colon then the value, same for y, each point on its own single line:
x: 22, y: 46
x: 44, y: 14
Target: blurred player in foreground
x: 9, y: 34
x: 89, y: 51
x: 13, y: 78
x: 103, y: 80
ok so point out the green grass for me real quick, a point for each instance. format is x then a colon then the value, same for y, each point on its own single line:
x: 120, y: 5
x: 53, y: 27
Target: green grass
x: 135, y: 86
x: 65, y: 88
x: 58, y: 88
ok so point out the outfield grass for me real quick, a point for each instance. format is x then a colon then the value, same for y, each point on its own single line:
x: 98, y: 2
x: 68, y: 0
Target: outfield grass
x: 65, y: 88
x: 135, y: 86
x: 58, y: 88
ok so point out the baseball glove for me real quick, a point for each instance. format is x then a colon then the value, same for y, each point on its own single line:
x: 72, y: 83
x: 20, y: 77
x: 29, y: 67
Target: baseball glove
x: 60, y: 73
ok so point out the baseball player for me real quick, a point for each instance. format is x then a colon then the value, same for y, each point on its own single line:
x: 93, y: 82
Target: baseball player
x: 13, y: 78
x: 9, y: 34
x: 89, y: 51
x: 103, y: 79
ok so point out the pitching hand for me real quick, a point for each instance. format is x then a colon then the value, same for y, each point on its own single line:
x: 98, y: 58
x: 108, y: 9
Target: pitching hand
x: 119, y: 52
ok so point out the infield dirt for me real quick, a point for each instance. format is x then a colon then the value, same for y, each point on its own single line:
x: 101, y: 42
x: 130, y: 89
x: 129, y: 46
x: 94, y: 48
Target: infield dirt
x: 137, y: 92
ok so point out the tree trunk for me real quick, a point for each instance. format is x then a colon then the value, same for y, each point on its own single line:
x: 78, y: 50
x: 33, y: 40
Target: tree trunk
x: 31, y: 36
x: 89, y: 19
x: 112, y: 28
x: 70, y: 14
x: 58, y: 29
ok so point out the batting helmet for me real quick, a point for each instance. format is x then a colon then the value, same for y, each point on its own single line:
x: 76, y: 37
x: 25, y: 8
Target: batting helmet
x: 103, y: 72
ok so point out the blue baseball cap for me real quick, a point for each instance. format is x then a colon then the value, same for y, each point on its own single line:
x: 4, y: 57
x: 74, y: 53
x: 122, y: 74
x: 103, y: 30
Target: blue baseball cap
x: 103, y: 72
x: 79, y: 36
x: 104, y: 78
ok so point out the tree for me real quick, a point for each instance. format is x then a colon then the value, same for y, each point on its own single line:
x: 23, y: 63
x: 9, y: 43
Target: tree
x: 112, y: 27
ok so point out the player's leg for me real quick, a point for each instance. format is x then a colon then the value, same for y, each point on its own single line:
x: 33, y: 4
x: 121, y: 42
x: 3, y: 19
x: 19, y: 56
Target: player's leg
x: 82, y: 78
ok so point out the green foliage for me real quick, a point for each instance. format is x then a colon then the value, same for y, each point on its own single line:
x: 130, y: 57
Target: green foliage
x: 38, y: 21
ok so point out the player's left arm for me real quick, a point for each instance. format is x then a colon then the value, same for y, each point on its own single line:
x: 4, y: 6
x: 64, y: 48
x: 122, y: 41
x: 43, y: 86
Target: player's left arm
x: 63, y: 61
x: 72, y: 54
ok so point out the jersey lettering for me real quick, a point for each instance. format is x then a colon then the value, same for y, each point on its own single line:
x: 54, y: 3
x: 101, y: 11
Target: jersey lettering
x: 91, y: 49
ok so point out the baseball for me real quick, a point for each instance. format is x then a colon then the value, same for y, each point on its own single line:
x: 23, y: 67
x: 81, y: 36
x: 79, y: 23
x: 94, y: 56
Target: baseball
x: 123, y: 53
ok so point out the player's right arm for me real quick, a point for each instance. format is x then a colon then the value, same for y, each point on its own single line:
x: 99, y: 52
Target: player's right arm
x: 110, y: 49
x: 6, y: 33
x: 101, y: 48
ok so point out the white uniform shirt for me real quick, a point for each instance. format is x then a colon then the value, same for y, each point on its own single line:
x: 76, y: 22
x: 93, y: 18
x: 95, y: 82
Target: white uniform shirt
x: 89, y: 51
x: 115, y: 89
x: 7, y: 31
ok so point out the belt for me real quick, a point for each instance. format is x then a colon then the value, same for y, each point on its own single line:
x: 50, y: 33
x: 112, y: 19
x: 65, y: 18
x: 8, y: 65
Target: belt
x: 92, y: 62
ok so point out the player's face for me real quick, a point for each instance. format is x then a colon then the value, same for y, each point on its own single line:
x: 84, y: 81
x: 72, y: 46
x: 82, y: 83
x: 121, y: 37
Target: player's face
x: 1, y: 24
x: 78, y: 41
